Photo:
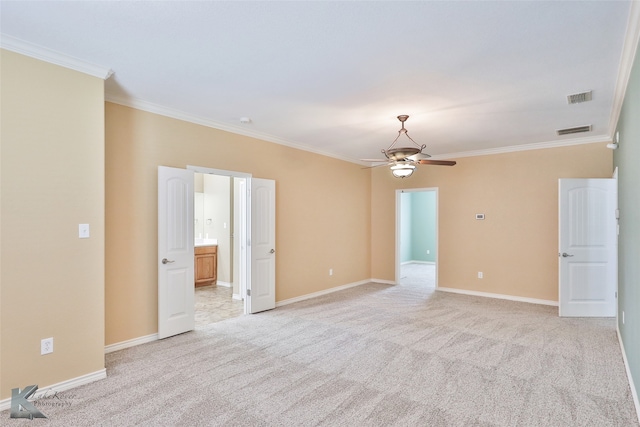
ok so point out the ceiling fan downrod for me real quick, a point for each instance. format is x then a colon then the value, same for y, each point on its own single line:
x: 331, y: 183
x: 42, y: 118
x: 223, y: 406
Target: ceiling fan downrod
x: 401, y: 153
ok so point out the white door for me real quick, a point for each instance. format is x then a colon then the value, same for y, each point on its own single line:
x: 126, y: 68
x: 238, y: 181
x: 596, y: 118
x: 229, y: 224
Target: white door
x: 261, y: 294
x: 239, y: 238
x: 588, y: 247
x: 176, y: 289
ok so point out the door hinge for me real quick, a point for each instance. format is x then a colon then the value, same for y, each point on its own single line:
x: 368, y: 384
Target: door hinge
x: 248, y: 292
x: 616, y: 294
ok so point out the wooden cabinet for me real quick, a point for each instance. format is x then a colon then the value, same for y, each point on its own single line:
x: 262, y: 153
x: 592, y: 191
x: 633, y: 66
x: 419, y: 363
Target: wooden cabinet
x: 206, y: 265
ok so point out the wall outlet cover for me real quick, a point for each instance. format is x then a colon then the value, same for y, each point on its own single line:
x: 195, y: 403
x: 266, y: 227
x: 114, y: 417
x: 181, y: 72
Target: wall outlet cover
x: 46, y: 346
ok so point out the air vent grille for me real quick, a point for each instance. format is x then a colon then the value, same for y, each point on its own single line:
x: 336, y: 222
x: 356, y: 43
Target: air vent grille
x: 577, y: 98
x: 578, y: 129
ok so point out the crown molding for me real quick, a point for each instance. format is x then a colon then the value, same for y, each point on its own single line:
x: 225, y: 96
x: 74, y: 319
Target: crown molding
x: 150, y: 107
x: 54, y: 57
x: 605, y: 139
x: 629, y: 50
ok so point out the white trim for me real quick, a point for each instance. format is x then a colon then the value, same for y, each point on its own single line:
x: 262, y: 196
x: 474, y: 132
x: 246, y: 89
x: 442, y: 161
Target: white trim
x: 413, y: 261
x: 224, y: 284
x: 237, y: 297
x: 632, y: 386
x: 61, y: 386
x: 499, y: 296
x: 629, y: 49
x: 151, y: 107
x: 130, y: 343
x: 221, y: 172
x: 53, y: 57
x: 384, y: 282
x: 605, y: 139
x: 320, y: 293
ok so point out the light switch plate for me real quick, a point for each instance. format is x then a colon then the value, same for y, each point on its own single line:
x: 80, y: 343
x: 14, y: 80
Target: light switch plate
x: 83, y: 231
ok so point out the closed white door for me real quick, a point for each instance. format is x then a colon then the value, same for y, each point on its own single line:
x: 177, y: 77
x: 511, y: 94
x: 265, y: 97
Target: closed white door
x: 588, y: 247
x: 261, y: 294
x: 176, y: 289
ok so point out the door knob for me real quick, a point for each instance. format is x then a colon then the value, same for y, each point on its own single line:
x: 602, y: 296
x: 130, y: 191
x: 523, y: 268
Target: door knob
x: 564, y: 255
x: 272, y: 251
x: 166, y: 261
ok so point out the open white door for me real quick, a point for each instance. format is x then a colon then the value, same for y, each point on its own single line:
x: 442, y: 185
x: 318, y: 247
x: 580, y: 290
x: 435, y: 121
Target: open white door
x: 588, y: 247
x: 176, y: 289
x: 261, y: 294
x: 239, y: 238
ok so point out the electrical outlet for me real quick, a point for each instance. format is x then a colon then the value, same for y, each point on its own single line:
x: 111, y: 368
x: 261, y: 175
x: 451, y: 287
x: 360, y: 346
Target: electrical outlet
x: 331, y: 272
x: 428, y: 251
x: 480, y: 275
x: 46, y: 346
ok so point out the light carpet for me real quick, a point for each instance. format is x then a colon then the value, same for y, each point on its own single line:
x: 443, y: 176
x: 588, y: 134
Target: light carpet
x: 374, y: 355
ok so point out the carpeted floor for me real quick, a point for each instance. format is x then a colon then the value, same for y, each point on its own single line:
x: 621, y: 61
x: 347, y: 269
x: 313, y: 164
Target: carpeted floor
x: 418, y: 274
x: 373, y: 355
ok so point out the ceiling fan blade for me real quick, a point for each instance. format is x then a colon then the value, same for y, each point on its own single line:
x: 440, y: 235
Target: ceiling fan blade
x: 374, y: 166
x: 418, y: 156
x: 437, y: 162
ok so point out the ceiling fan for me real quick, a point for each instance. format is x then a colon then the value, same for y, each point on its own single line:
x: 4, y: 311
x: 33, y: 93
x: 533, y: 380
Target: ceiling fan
x: 403, y: 160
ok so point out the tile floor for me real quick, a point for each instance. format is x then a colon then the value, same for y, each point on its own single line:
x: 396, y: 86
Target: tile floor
x: 215, y: 303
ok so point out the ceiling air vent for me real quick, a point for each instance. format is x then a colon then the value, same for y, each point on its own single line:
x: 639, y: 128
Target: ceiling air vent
x: 577, y: 98
x: 578, y: 129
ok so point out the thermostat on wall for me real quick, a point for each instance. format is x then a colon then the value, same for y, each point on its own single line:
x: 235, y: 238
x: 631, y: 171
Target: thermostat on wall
x: 479, y: 216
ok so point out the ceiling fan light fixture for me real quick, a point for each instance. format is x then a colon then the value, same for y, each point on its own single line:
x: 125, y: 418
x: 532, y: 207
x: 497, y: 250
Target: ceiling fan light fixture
x: 403, y: 160
x: 402, y: 170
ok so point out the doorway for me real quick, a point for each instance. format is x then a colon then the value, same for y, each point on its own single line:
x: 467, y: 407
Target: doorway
x: 417, y: 237
x: 219, y: 215
x: 176, y: 242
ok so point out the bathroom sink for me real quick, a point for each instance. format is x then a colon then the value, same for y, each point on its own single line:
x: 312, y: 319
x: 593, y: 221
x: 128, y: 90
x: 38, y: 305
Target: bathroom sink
x: 205, y: 242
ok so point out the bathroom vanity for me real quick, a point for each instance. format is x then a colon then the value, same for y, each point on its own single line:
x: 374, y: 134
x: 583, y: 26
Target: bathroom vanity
x: 206, y: 265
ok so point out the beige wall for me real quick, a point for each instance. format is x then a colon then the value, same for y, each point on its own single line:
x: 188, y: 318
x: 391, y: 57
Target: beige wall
x: 516, y: 246
x: 330, y: 214
x: 322, y: 211
x: 52, y: 174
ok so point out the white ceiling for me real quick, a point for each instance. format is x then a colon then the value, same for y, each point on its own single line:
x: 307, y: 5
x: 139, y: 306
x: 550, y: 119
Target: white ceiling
x: 333, y: 76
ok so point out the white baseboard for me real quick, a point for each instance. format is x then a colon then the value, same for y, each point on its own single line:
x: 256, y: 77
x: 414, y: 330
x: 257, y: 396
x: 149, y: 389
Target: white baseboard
x: 634, y: 393
x: 418, y: 262
x: 384, y: 282
x: 237, y: 297
x: 130, y: 343
x: 61, y: 386
x: 225, y: 284
x: 320, y: 293
x: 499, y: 296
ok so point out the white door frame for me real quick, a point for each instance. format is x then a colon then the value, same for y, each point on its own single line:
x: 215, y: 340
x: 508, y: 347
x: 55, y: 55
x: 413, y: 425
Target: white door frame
x: 239, y: 238
x: 398, y: 223
x: 247, y: 253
